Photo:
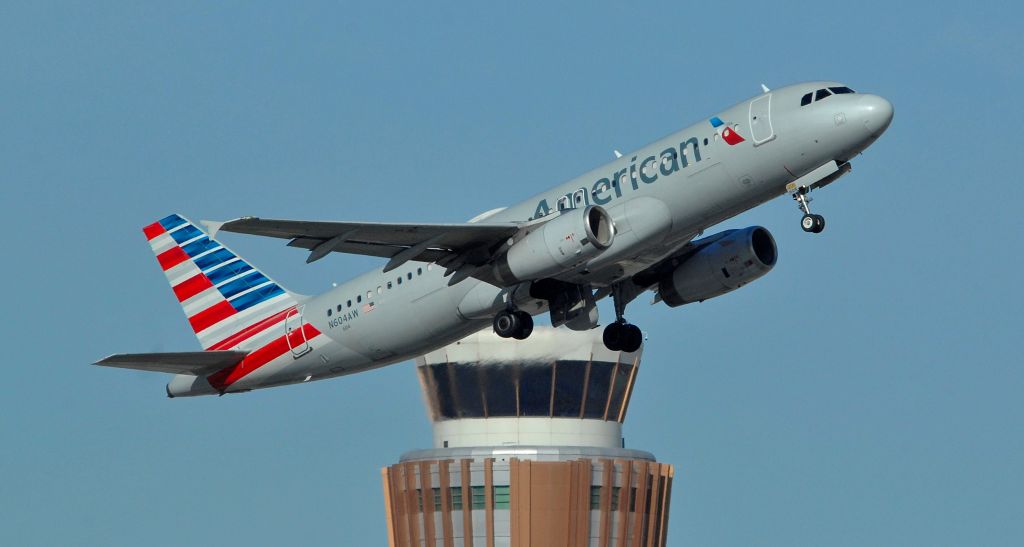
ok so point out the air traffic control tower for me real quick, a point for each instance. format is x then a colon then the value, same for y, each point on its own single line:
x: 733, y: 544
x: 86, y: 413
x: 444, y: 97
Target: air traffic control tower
x: 528, y: 450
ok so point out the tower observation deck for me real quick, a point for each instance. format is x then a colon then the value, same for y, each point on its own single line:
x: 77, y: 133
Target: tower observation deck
x: 528, y: 449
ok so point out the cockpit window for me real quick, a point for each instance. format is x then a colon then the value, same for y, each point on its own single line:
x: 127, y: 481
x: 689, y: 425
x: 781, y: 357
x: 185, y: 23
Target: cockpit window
x: 824, y: 94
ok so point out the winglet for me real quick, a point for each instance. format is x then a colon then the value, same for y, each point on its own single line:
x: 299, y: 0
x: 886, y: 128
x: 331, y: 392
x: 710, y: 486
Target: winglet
x: 212, y: 226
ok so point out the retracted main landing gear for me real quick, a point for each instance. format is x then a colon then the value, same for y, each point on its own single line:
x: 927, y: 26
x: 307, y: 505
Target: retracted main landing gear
x: 621, y: 335
x: 810, y: 223
x: 513, y: 324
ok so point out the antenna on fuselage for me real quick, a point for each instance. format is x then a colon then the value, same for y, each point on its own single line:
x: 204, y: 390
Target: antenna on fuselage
x: 617, y: 154
x: 764, y: 88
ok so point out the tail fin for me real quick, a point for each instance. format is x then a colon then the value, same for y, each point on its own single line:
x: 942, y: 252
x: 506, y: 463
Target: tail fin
x: 226, y: 300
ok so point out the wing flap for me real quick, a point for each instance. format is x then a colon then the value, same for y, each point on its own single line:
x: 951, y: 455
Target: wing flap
x: 197, y: 363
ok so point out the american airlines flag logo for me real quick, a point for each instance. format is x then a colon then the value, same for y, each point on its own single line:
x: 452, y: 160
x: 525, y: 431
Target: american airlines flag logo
x: 368, y: 307
x: 729, y: 134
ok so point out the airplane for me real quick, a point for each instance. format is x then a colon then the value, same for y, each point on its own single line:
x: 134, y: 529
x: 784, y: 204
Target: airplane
x: 629, y: 226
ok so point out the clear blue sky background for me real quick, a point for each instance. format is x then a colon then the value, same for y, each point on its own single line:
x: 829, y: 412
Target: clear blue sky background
x: 866, y: 392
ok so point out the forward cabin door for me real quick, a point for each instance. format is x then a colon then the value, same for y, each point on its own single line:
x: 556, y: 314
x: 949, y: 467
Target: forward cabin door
x: 761, y: 120
x: 295, y: 334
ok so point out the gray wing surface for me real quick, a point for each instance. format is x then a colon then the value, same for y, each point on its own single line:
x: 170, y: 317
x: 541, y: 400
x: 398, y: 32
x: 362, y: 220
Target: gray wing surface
x: 451, y: 245
x: 197, y: 363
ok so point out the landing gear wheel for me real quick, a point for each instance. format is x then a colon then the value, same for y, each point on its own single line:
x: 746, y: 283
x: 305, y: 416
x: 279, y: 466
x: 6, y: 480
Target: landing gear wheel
x: 632, y: 339
x: 813, y: 223
x: 525, y: 325
x: 807, y: 223
x: 613, y: 336
x: 622, y: 336
x: 819, y: 224
x: 506, y: 323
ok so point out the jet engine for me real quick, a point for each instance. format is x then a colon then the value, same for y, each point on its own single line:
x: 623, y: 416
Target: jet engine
x: 736, y: 258
x: 556, y: 246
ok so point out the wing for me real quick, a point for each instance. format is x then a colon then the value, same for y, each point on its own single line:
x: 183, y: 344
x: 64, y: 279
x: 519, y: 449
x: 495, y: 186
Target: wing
x: 197, y: 363
x: 453, y: 246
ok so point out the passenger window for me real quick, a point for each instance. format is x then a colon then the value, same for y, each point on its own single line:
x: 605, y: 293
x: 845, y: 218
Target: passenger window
x: 380, y: 290
x: 409, y: 276
x: 359, y: 298
x: 821, y: 94
x: 841, y: 90
x: 328, y: 312
x: 389, y: 285
x: 805, y: 100
x: 650, y: 169
x: 348, y: 304
x: 339, y: 308
x: 399, y: 280
x: 419, y: 271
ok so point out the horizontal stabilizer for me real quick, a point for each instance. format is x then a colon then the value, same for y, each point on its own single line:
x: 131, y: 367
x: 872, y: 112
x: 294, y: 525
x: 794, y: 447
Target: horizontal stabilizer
x: 197, y: 363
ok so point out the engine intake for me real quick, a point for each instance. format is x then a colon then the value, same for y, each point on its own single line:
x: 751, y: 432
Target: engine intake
x: 556, y: 246
x: 733, y: 260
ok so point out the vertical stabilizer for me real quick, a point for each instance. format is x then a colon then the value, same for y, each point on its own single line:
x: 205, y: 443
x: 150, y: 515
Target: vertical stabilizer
x: 229, y: 303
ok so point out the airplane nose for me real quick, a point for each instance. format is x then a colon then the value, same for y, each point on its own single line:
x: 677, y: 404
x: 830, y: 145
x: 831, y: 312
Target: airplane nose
x: 876, y: 112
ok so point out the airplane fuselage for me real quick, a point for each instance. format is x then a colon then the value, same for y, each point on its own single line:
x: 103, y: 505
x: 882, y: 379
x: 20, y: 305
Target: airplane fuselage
x: 660, y: 197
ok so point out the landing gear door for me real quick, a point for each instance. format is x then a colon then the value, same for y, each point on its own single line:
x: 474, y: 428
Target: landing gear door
x: 761, y: 120
x: 295, y: 335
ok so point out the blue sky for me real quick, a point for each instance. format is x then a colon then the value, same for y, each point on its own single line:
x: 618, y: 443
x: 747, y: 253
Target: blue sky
x: 866, y: 392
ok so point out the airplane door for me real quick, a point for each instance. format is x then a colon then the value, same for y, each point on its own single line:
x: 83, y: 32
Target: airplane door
x: 295, y: 335
x: 761, y: 120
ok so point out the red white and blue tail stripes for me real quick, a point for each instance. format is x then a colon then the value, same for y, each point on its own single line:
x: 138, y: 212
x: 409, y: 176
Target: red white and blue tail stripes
x: 228, y: 302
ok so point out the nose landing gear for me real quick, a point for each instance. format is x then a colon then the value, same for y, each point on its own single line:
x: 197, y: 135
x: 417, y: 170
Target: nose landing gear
x: 513, y: 324
x: 810, y: 222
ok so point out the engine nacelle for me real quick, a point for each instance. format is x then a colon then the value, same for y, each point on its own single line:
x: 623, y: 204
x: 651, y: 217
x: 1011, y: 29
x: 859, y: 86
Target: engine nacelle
x: 727, y: 264
x: 556, y: 246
